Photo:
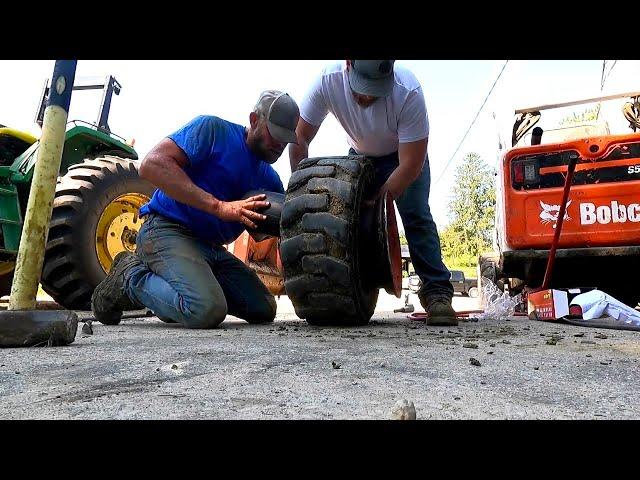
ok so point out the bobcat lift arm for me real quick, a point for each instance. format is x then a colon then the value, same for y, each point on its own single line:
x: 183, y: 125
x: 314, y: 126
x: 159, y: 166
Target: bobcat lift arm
x: 526, y: 118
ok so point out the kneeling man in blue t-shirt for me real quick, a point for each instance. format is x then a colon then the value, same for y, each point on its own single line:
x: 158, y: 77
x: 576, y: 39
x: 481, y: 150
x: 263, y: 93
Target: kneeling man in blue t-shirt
x: 181, y: 270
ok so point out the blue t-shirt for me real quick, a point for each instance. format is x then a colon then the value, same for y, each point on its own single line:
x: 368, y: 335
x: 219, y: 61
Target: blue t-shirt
x: 221, y: 164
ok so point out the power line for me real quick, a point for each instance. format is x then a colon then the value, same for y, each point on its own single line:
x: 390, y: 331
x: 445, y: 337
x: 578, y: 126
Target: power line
x: 609, y: 72
x: 603, y: 79
x: 472, y: 122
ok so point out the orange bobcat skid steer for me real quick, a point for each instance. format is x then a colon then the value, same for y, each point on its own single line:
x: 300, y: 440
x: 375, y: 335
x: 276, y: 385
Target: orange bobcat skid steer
x: 600, y: 240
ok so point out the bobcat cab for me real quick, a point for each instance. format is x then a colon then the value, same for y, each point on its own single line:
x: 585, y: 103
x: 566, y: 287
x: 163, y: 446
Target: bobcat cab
x: 600, y: 241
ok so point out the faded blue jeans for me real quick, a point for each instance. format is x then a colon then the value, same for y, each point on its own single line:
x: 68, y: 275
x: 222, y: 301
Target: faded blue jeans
x: 186, y: 280
x: 419, y: 227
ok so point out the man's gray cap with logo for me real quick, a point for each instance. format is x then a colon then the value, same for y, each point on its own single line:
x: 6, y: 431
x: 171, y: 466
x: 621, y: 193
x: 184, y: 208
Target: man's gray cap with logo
x: 281, y: 112
x: 372, y: 77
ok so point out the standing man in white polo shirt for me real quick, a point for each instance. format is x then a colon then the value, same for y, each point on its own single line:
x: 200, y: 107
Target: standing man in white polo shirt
x: 382, y: 109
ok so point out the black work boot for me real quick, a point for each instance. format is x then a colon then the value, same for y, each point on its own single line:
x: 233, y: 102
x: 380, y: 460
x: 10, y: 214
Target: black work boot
x: 439, y: 310
x: 109, y: 298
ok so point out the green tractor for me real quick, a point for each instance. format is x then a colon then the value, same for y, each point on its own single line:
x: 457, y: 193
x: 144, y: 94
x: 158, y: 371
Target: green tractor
x: 95, y: 210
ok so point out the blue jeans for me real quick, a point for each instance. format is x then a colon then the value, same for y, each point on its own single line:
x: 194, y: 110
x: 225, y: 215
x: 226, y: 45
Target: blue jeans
x: 188, y: 281
x: 419, y: 227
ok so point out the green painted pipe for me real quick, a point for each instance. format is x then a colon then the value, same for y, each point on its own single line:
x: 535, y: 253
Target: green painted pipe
x: 36, y: 223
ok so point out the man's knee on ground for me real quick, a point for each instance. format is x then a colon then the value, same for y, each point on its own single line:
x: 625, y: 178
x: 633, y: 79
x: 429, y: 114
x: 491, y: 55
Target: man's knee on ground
x: 263, y: 311
x: 207, y: 315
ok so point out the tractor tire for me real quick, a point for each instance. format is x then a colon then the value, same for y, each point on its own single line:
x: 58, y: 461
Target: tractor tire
x: 320, y: 241
x: 92, y: 203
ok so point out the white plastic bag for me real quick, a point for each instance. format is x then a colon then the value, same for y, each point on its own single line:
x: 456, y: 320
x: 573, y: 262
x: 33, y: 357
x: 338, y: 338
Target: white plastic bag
x: 498, y: 304
x: 597, y: 304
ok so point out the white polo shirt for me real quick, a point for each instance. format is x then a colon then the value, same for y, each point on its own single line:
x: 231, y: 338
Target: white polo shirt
x: 378, y: 129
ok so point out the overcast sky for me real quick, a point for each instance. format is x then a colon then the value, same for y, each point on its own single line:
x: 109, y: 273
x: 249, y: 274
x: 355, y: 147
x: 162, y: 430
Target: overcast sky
x: 160, y: 96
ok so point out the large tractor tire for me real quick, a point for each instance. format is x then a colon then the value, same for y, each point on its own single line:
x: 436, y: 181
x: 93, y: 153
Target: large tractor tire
x: 95, y: 217
x: 321, y: 242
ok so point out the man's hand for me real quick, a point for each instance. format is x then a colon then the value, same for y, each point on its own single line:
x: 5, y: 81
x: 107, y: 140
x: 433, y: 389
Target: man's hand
x: 411, y: 158
x: 242, y: 211
x: 381, y: 193
x: 393, y: 187
x: 305, y: 133
x: 370, y: 202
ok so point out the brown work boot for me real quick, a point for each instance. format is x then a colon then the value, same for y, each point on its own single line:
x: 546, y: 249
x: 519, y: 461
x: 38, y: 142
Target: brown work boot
x: 109, y: 298
x: 439, y: 311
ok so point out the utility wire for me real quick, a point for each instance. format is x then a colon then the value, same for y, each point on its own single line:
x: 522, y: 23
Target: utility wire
x: 603, y: 79
x: 471, y: 125
x: 608, y: 73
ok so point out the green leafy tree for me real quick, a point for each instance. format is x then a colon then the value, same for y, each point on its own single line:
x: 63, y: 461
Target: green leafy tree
x: 471, y: 212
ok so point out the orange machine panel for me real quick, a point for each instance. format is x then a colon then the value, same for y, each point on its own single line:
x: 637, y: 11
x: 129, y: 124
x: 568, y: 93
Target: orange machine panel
x: 262, y: 257
x: 604, y: 201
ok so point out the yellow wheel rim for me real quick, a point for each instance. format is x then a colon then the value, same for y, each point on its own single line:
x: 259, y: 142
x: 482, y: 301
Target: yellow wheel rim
x: 118, y: 227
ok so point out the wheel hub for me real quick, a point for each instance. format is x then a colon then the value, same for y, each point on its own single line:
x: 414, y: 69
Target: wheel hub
x: 380, y: 255
x: 118, y: 227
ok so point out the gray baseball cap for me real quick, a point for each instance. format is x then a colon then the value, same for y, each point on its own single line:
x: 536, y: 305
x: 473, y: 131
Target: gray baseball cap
x: 281, y: 112
x: 372, y: 77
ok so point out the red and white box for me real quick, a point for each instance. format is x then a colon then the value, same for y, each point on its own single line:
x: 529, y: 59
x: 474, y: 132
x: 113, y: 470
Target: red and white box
x: 548, y: 305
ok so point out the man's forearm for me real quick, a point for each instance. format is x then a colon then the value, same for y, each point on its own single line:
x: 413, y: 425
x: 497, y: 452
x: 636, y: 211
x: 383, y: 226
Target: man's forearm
x: 401, y: 178
x: 412, y: 157
x: 173, y: 181
x: 297, y: 153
